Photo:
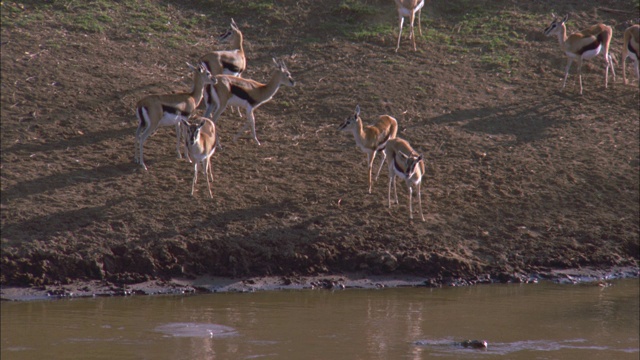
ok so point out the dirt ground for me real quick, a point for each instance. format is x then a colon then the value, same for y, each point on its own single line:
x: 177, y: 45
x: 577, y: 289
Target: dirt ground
x: 521, y: 178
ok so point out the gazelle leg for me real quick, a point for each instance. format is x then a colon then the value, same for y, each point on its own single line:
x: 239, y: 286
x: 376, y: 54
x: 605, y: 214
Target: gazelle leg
x: 370, y: 157
x: 384, y: 158
x: 395, y: 188
x: 207, y: 172
x: 419, y: 27
x: 195, y: 177
x: 179, y: 142
x: 580, y: 74
x: 391, y: 176
x: 410, y: 196
x: 252, y: 122
x: 566, y: 72
x: 411, y: 34
x: 400, y: 32
x: 420, y: 201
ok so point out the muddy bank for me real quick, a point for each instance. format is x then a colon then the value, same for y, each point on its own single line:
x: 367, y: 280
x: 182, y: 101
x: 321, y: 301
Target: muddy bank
x: 208, y: 284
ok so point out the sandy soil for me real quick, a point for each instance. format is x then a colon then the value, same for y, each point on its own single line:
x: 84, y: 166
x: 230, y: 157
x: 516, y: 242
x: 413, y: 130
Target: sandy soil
x: 521, y: 178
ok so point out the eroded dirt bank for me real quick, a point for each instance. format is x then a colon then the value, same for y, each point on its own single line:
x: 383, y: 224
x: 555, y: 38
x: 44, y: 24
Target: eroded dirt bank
x: 521, y: 178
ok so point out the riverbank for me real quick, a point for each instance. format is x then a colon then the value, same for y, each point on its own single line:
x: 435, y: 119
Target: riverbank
x: 208, y: 284
x: 521, y: 178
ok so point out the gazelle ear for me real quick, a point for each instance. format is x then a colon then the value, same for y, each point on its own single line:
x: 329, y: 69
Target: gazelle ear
x: 358, y: 110
x: 191, y: 67
x: 565, y: 18
x: 275, y: 62
x: 554, y: 16
x: 233, y: 24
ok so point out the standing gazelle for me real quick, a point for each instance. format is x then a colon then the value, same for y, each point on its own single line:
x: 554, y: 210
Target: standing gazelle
x: 154, y: 111
x: 630, y: 48
x: 582, y: 45
x: 248, y: 94
x: 407, y: 164
x: 373, y: 138
x: 201, y: 144
x: 409, y: 8
x: 228, y: 62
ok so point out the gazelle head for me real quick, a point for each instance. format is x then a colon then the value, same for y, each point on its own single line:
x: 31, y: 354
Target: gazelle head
x: 411, y: 162
x: 192, y: 132
x: 285, y: 75
x: 555, y: 25
x: 232, y: 33
x: 203, y: 73
x: 352, y: 121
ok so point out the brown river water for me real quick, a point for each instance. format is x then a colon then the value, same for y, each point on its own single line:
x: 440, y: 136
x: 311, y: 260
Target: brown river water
x: 525, y: 321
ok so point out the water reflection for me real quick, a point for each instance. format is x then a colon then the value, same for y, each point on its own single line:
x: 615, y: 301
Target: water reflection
x: 519, y: 322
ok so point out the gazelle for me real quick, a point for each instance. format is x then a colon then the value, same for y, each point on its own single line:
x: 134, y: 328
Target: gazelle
x: 630, y: 48
x: 373, y: 138
x: 582, y: 45
x: 409, y: 8
x: 248, y: 94
x: 407, y: 164
x: 201, y: 144
x: 154, y: 111
x: 228, y: 62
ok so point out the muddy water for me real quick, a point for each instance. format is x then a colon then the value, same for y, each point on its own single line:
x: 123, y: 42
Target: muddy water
x: 542, y: 321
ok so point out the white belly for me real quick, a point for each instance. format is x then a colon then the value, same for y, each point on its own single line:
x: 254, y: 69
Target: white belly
x: 236, y: 101
x: 170, y: 119
x: 591, y: 53
x: 407, y: 12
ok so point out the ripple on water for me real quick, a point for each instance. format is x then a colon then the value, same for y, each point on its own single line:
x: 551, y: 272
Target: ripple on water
x: 196, y: 330
x: 448, y: 346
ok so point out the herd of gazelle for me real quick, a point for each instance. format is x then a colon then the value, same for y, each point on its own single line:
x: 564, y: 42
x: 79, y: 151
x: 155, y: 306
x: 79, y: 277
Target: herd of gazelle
x: 217, y: 83
x: 589, y: 43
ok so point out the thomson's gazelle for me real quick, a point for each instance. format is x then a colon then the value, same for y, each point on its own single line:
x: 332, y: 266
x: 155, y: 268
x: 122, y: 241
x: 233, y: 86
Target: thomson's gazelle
x: 582, y: 45
x: 373, y: 138
x: 228, y: 62
x: 154, y: 111
x: 407, y: 164
x: 201, y: 144
x: 248, y: 94
x: 409, y: 8
x: 630, y: 48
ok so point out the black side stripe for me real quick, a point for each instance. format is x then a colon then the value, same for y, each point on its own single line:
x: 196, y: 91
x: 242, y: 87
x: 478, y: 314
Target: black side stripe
x: 592, y: 46
x: 231, y: 67
x: 172, y: 110
x: 239, y: 92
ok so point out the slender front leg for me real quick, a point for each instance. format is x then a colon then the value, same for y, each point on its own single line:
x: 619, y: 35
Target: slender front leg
x: 580, y: 74
x: 410, y: 206
x: 370, y: 157
x: 179, y: 141
x: 391, y: 175
x: 400, y: 32
x: 384, y: 157
x: 195, y: 177
x: 419, y: 27
x: 566, y: 72
x: 420, y: 201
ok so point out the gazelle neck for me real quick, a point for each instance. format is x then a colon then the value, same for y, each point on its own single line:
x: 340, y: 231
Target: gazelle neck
x: 274, y: 84
x: 237, y: 42
x: 358, y: 132
x: 562, y: 35
x: 198, y: 88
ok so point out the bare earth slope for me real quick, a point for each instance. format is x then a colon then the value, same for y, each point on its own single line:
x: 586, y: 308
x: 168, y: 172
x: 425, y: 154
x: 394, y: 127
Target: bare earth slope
x: 521, y: 177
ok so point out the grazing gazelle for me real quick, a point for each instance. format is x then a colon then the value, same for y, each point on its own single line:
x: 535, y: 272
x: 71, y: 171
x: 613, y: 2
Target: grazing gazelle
x: 409, y: 8
x: 248, y: 94
x: 227, y: 62
x: 373, y: 138
x: 630, y: 48
x: 201, y: 144
x: 407, y: 164
x: 582, y: 45
x: 154, y: 111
